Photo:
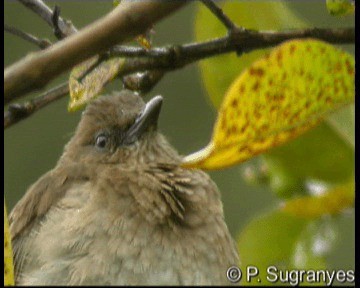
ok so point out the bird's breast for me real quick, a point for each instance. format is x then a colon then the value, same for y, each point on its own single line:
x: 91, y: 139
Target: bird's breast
x: 97, y: 235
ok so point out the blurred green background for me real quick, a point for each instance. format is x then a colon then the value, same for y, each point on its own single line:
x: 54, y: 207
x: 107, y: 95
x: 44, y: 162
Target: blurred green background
x: 33, y: 146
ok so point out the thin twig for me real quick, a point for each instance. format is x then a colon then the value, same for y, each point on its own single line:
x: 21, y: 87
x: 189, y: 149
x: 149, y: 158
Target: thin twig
x: 177, y: 56
x: 227, y: 22
x: 44, y: 11
x: 56, y: 23
x: 126, y: 21
x: 34, y: 72
x: 218, y: 12
x: 143, y: 82
x: 18, y: 112
x: 162, y: 59
x: 41, y: 43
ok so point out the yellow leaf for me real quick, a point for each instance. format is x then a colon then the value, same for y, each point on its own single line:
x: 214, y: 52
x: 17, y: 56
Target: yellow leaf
x: 143, y: 41
x: 8, y: 255
x: 276, y: 99
x: 219, y: 72
x: 84, y: 90
x: 340, y: 7
x: 332, y: 202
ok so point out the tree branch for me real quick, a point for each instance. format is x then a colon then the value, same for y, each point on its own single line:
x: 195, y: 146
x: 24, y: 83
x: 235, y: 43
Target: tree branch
x: 18, y: 112
x: 173, y: 57
x: 40, y: 8
x: 218, y: 12
x: 140, y: 82
x: 143, y: 82
x: 143, y: 68
x: 41, y: 43
x: 126, y: 21
x: 162, y: 59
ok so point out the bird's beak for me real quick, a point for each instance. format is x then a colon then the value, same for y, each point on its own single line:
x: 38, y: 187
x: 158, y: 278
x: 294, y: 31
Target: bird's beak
x: 146, y: 120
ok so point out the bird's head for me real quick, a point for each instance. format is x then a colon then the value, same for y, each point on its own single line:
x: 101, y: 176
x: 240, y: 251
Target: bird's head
x: 120, y: 129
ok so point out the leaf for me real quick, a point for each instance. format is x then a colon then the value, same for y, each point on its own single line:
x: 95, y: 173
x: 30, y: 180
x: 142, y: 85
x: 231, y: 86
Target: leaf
x: 84, y: 90
x: 8, y: 255
x: 340, y: 7
x: 116, y: 3
x: 315, y: 242
x: 343, y: 122
x: 278, y: 98
x: 219, y: 72
x: 331, y: 202
x: 277, y: 239
x: 319, y: 155
x: 144, y: 41
x: 304, y: 258
x: 269, y: 240
x: 275, y: 229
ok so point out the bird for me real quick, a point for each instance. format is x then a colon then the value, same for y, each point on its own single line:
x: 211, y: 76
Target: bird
x: 118, y: 208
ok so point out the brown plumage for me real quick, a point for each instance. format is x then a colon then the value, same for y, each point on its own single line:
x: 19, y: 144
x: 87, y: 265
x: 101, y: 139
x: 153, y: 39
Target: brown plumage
x: 118, y: 210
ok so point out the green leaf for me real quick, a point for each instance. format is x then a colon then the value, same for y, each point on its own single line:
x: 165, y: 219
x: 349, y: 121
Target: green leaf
x: 331, y: 202
x: 276, y: 99
x: 315, y: 242
x: 319, y: 155
x: 219, y: 72
x: 287, y: 243
x: 340, y: 7
x: 343, y: 122
x: 269, y: 240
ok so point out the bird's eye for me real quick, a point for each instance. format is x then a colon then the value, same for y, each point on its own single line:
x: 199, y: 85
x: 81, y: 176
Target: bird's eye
x: 101, y: 141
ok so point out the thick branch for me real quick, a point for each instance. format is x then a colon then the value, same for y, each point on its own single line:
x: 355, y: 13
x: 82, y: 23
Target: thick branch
x: 174, y: 57
x: 154, y: 61
x: 18, y: 112
x: 126, y: 21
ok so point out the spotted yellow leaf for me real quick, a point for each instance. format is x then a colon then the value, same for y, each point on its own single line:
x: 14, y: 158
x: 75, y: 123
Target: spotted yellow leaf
x: 8, y: 255
x: 331, y: 202
x: 340, y: 7
x: 276, y: 99
x: 83, y: 89
x: 219, y: 72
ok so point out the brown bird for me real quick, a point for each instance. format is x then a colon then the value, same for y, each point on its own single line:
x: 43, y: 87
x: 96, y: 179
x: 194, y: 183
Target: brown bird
x: 119, y: 210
